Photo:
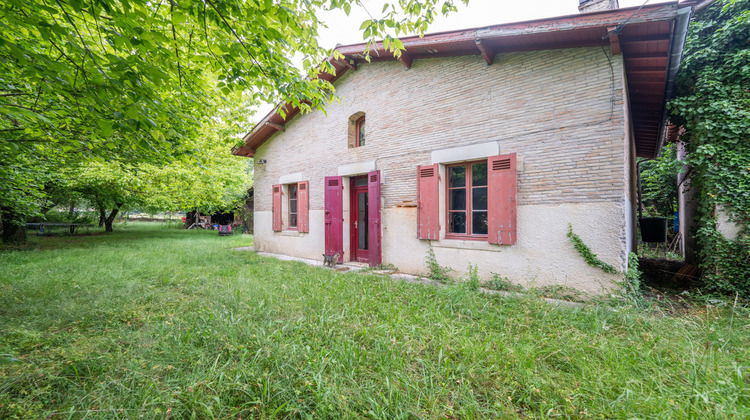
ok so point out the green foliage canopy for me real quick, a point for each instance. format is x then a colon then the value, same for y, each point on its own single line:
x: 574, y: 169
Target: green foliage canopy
x: 209, y: 179
x: 659, y: 182
x: 87, y: 74
x: 135, y: 81
x: 713, y: 104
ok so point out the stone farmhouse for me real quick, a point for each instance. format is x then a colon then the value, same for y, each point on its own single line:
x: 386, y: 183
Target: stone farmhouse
x: 485, y: 144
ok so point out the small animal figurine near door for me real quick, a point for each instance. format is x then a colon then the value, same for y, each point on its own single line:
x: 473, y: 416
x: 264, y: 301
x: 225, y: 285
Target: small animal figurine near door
x: 331, y: 260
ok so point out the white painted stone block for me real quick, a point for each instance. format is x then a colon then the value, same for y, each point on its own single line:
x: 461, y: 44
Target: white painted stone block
x: 291, y: 178
x: 464, y: 153
x: 356, y: 168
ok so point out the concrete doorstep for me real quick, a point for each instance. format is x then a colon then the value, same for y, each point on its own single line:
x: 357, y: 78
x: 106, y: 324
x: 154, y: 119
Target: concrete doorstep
x: 409, y: 278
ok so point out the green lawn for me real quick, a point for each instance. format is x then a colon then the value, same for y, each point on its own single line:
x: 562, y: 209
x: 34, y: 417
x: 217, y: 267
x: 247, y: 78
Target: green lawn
x: 155, y: 322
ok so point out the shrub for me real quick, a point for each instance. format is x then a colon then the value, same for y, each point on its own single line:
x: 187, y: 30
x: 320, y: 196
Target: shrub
x: 502, y: 284
x: 632, y: 282
x: 436, y: 271
x: 472, y: 278
x: 726, y: 263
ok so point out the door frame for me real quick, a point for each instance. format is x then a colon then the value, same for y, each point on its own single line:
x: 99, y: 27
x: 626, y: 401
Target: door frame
x: 354, y: 251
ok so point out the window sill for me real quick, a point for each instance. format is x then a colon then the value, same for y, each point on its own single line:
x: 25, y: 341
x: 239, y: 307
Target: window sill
x: 290, y: 233
x: 466, y: 238
x: 479, y: 244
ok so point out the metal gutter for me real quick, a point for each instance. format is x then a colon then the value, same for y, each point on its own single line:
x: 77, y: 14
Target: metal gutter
x: 679, y: 36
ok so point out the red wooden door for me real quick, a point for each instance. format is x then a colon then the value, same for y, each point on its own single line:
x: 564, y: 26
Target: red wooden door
x: 334, y: 216
x: 373, y: 217
x: 359, y: 237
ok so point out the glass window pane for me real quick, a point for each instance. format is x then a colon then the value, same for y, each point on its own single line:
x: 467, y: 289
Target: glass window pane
x: 479, y: 198
x: 360, y: 181
x: 362, y: 228
x: 293, y: 205
x: 479, y: 223
x: 456, y: 176
x: 457, y: 222
x: 361, y: 129
x: 457, y: 199
x: 479, y: 174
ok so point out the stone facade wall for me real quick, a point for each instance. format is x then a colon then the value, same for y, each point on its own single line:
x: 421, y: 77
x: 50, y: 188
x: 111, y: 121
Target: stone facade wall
x: 560, y: 111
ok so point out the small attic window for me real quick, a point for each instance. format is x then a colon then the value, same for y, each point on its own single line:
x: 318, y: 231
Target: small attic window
x: 357, y: 131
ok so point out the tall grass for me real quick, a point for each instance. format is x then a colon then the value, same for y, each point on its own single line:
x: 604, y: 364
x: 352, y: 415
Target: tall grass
x: 155, y: 322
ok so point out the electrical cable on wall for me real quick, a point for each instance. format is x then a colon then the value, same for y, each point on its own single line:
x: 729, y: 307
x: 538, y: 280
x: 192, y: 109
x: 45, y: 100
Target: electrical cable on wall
x: 612, y: 81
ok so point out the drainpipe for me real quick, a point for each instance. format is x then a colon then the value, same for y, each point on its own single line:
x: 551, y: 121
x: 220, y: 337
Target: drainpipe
x: 679, y: 35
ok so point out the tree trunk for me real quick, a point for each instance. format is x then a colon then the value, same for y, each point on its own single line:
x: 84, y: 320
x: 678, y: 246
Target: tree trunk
x: 102, y: 215
x: 111, y: 218
x: 14, y: 230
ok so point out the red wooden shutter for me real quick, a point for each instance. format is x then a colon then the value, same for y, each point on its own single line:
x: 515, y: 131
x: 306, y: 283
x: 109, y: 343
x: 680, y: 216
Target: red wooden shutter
x: 428, y: 202
x: 373, y: 216
x: 334, y: 216
x: 501, y: 197
x: 276, y: 208
x: 303, y: 207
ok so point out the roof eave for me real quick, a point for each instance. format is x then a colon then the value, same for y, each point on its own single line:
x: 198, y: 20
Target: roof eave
x: 475, y: 37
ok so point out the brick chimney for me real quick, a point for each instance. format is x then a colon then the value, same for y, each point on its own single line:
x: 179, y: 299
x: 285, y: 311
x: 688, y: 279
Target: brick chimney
x: 586, y: 6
